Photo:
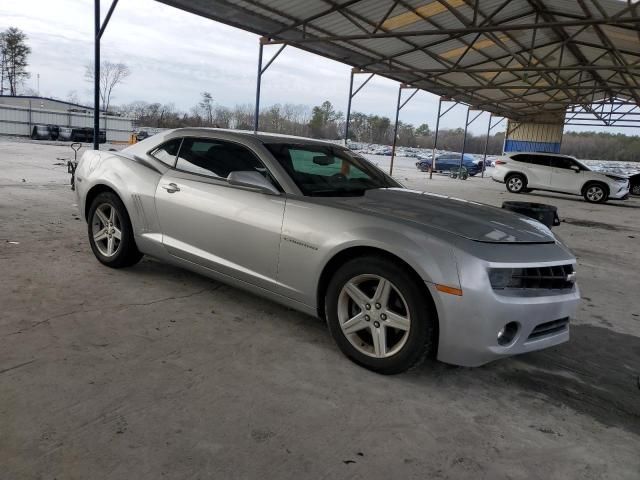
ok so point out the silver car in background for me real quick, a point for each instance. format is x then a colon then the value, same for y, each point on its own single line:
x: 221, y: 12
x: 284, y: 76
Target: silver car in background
x: 399, y: 275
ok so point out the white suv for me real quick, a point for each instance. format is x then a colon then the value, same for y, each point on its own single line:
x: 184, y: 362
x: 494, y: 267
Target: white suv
x: 523, y: 172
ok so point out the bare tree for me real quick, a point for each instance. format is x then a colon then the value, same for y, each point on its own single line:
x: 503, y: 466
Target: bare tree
x: 111, y: 75
x: 206, y: 107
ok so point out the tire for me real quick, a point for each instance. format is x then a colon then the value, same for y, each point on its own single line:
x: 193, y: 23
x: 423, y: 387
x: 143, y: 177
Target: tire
x: 407, y: 327
x: 595, y: 192
x: 516, y: 183
x: 635, y: 189
x: 107, y: 217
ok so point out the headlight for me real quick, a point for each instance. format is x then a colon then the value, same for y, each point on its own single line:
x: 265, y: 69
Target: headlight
x: 618, y: 179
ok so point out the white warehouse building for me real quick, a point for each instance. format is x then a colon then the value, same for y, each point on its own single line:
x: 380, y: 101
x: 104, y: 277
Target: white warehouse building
x: 19, y: 114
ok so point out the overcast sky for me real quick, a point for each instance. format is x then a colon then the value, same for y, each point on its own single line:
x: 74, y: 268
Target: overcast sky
x: 174, y: 56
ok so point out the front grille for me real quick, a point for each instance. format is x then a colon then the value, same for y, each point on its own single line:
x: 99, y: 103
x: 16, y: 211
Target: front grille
x: 557, y: 277
x: 549, y: 328
x: 554, y: 278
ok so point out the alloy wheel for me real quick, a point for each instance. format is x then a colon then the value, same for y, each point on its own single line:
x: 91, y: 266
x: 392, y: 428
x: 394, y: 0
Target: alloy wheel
x: 106, y: 228
x: 515, y: 184
x: 373, y: 315
x: 595, y: 193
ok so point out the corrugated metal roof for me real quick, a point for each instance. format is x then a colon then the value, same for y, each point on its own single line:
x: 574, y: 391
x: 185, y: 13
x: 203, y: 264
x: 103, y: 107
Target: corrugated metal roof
x: 515, y: 58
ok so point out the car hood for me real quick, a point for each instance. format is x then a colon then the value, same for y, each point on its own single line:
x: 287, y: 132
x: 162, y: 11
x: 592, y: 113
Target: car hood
x: 471, y: 220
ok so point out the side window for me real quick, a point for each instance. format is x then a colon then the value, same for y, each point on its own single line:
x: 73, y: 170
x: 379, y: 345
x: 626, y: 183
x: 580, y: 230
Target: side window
x: 540, y: 160
x: 167, y: 152
x: 561, y: 162
x: 216, y: 158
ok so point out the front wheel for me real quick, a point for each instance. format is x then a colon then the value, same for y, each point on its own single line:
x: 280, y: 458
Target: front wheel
x: 595, y: 193
x: 635, y: 189
x: 379, y: 316
x: 110, y: 232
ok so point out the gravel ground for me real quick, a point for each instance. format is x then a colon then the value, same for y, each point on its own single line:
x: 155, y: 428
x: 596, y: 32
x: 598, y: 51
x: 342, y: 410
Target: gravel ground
x: 154, y: 372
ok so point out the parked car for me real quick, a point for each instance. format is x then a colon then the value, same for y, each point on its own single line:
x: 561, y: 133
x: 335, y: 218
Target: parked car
x: 445, y: 162
x: 634, y: 184
x: 399, y: 275
x: 523, y: 172
x: 142, y: 135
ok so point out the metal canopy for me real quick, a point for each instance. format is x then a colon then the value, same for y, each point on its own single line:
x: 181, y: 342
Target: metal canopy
x: 528, y: 60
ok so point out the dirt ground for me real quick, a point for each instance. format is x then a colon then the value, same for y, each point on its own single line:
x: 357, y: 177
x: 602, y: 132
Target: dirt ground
x: 154, y: 372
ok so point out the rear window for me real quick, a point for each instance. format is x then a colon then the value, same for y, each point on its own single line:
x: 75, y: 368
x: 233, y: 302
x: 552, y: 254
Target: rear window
x: 541, y: 160
x: 167, y: 152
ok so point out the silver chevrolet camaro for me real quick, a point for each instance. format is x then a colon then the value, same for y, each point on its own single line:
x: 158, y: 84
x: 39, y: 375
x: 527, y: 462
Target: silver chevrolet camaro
x: 399, y: 275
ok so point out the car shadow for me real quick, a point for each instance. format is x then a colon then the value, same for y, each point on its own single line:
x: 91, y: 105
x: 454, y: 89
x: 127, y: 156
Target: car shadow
x: 597, y: 373
x: 571, y: 198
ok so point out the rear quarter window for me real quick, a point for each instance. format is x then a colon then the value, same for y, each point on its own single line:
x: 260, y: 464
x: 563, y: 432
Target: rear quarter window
x: 166, y: 153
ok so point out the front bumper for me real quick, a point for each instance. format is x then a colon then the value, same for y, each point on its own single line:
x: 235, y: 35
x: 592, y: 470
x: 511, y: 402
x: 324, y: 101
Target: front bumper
x: 469, y: 324
x: 619, y: 193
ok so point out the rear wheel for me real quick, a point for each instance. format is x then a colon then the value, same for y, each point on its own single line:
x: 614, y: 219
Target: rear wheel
x: 379, y: 316
x: 516, y: 183
x: 110, y: 232
x: 595, y: 193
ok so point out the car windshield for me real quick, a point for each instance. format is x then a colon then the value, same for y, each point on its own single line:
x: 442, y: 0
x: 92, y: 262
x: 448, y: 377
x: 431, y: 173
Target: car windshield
x: 582, y: 165
x: 328, y: 171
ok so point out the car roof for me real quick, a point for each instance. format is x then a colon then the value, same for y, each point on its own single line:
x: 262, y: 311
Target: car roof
x: 546, y: 154
x: 264, y: 137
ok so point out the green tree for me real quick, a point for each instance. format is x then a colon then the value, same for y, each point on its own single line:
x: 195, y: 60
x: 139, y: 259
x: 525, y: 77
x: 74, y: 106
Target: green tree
x: 14, y: 53
x: 423, y: 130
x: 324, y: 120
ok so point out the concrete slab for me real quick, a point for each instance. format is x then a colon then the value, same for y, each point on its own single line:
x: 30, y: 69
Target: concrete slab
x: 153, y: 372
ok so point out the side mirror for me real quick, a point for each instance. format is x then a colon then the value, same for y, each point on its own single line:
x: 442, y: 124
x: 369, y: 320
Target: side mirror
x: 252, y: 179
x: 575, y: 168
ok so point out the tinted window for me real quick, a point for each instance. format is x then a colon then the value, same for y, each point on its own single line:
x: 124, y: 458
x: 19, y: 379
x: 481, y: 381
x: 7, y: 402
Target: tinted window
x: 521, y: 158
x: 167, y: 152
x: 469, y: 160
x: 215, y: 158
x: 541, y: 160
x: 328, y: 171
x: 561, y: 162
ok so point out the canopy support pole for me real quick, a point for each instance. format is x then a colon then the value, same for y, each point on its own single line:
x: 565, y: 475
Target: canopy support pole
x: 395, y: 127
x: 98, y: 29
x: 351, y: 95
x: 263, y: 41
x: 464, y: 138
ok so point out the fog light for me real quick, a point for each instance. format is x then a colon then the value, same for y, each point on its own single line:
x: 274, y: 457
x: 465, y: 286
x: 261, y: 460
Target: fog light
x: 507, y: 333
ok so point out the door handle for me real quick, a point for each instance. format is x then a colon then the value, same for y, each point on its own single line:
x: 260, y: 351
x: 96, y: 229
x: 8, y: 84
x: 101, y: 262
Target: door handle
x: 171, y: 188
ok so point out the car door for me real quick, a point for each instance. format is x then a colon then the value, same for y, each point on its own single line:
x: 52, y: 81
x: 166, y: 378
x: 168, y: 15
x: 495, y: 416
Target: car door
x: 232, y: 230
x: 566, y: 175
x: 444, y: 163
x: 538, y: 170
